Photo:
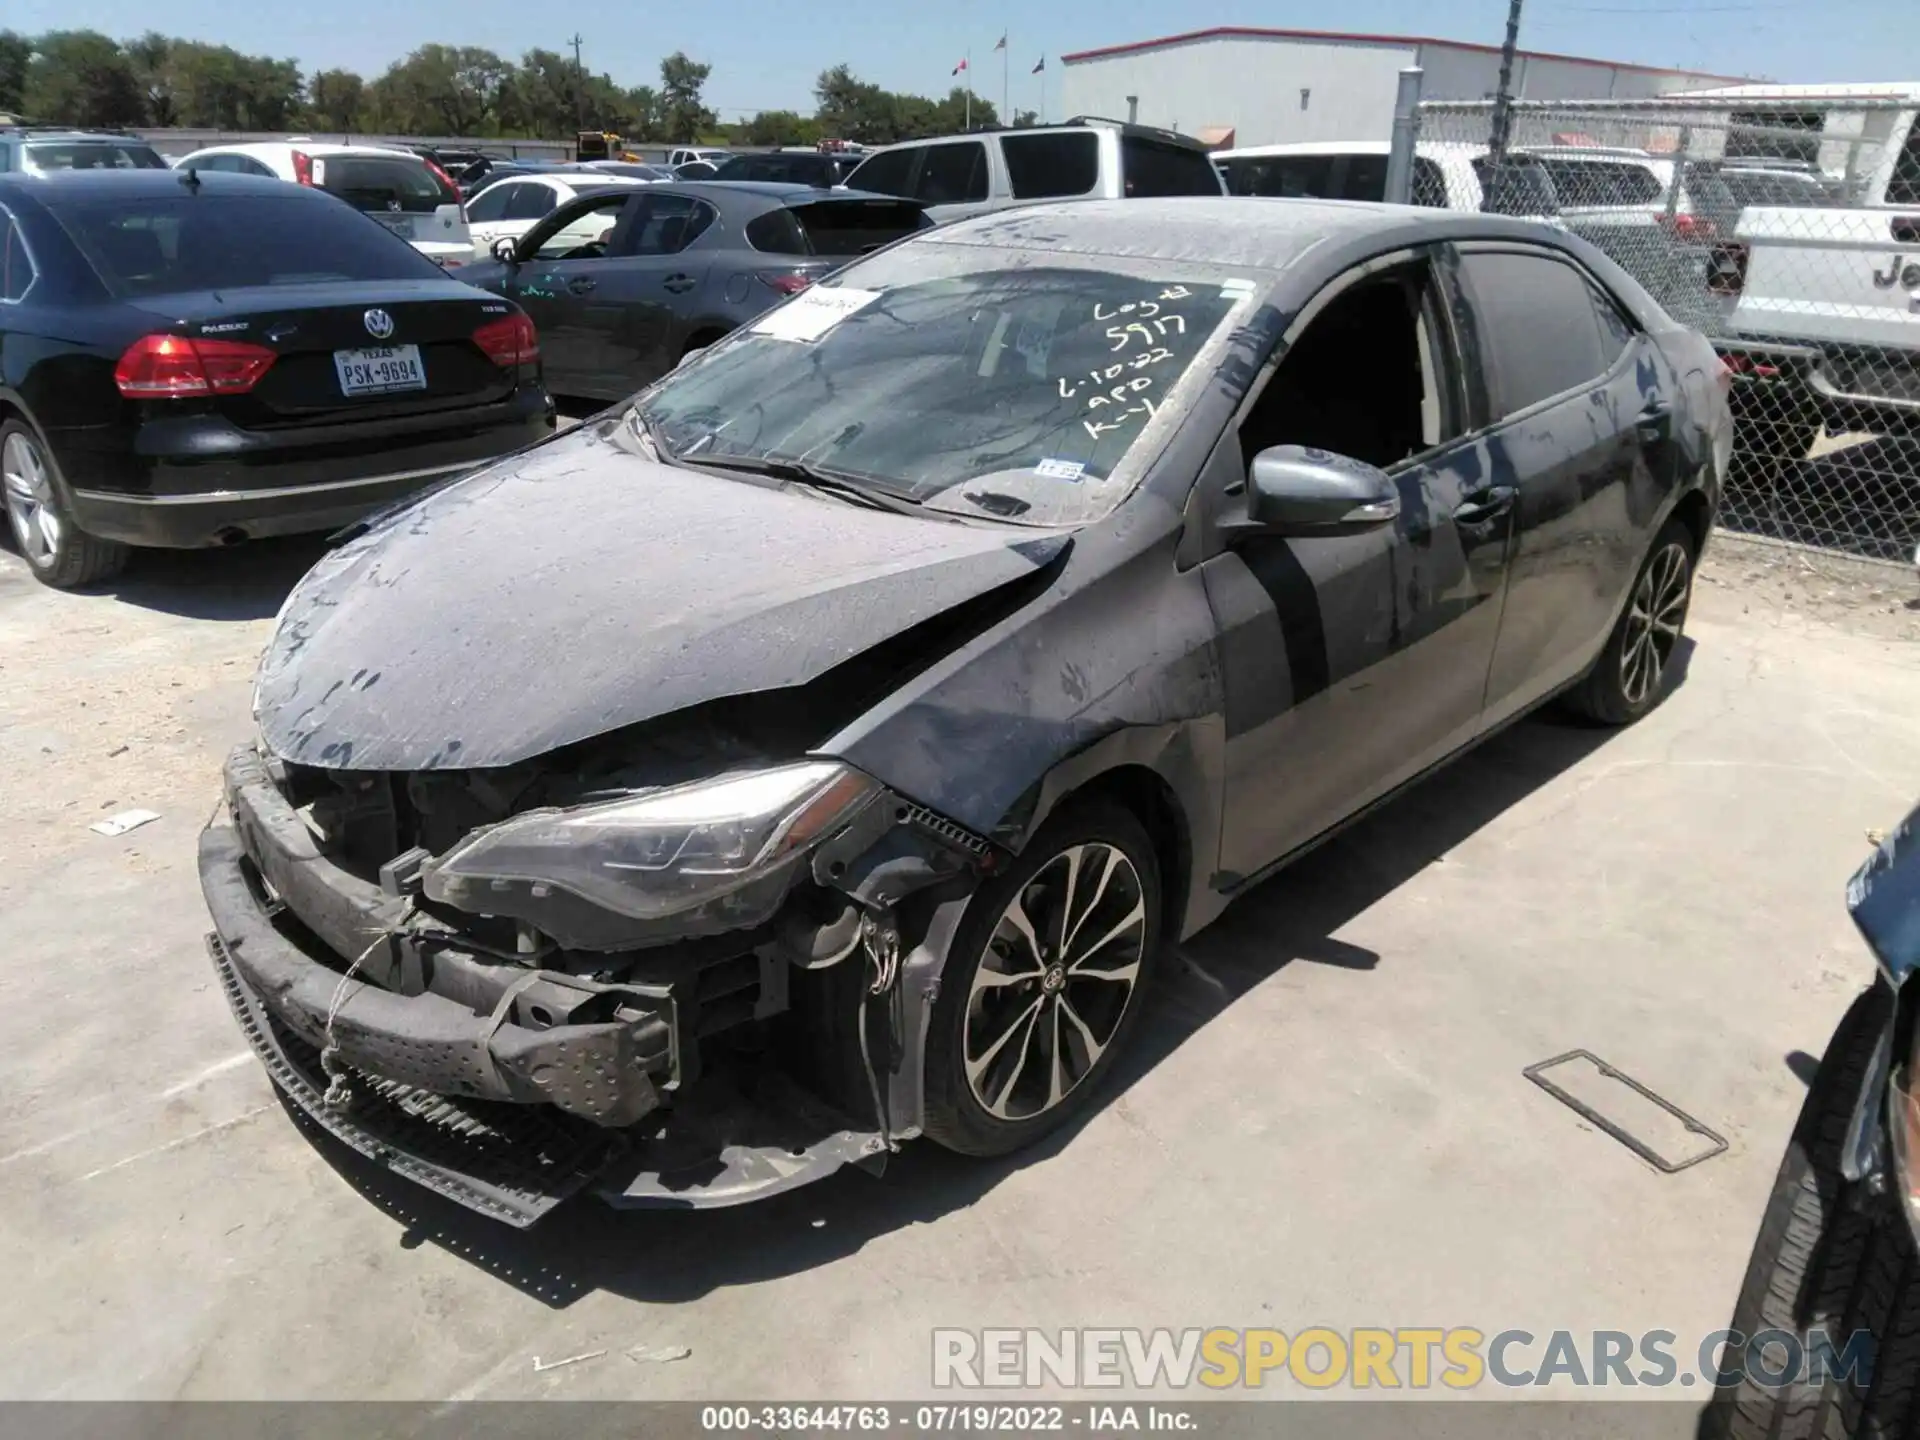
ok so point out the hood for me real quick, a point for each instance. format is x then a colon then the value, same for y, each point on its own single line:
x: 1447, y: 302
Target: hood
x: 580, y: 588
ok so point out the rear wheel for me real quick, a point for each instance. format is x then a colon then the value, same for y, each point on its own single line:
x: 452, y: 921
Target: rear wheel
x: 1043, y: 985
x: 1631, y: 674
x: 58, y: 551
x: 1833, y: 1258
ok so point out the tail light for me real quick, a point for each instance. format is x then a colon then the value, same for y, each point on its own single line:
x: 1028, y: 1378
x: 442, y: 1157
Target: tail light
x: 302, y: 168
x: 1691, y: 227
x: 159, y: 366
x: 509, y: 341
x: 1739, y: 364
x: 447, y: 180
x: 787, y: 282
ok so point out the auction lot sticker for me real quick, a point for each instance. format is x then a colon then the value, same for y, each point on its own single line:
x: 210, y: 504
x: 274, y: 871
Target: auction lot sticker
x: 813, y: 312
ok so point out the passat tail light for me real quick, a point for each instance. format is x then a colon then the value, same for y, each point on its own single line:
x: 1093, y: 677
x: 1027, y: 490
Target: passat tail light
x: 509, y: 341
x: 161, y: 366
x: 302, y: 168
x: 787, y: 282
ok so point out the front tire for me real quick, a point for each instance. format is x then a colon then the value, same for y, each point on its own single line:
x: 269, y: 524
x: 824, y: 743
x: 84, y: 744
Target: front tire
x: 58, y: 552
x: 1044, y: 983
x: 1832, y: 1257
x: 1630, y: 677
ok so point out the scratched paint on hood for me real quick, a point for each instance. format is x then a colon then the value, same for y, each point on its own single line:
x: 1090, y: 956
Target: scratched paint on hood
x: 581, y: 588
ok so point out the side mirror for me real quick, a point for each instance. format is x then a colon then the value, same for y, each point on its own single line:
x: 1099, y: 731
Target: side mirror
x: 1292, y: 490
x: 506, y: 250
x: 692, y: 354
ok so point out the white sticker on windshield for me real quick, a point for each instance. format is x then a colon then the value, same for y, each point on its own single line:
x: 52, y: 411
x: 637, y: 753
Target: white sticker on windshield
x: 1236, y: 288
x: 1060, y: 469
x: 813, y: 312
x: 319, y: 172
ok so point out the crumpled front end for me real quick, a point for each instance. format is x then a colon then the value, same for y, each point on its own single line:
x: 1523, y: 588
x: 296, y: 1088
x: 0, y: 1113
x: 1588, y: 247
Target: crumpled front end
x: 511, y: 985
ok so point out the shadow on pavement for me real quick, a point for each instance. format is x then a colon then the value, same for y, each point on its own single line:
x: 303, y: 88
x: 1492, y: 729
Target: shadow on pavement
x: 246, y: 582
x: 675, y: 1255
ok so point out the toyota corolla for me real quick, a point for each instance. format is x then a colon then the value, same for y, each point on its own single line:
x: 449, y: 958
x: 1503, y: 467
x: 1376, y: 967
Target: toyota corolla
x: 818, y: 751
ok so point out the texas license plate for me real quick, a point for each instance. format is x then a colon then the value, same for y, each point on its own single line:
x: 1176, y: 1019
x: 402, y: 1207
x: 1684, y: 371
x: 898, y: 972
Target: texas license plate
x: 380, y: 369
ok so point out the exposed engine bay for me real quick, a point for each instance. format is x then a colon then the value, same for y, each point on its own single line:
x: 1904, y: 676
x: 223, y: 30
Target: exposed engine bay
x: 408, y: 943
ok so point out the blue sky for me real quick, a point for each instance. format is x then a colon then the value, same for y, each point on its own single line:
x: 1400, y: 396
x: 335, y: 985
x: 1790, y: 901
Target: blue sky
x: 765, y: 53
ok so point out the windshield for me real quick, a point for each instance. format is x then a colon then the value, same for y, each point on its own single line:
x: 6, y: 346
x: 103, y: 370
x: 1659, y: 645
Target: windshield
x: 92, y: 155
x: 987, y: 383
x: 169, y: 245
x: 382, y: 183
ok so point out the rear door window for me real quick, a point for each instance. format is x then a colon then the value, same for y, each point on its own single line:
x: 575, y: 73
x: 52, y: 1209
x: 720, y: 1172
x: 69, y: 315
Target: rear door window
x: 1539, y: 332
x: 1157, y: 167
x: 1904, y: 186
x: 530, y: 202
x: 952, y: 174
x: 1516, y: 187
x: 375, y: 183
x: 1054, y: 163
x: 491, y: 203
x: 1281, y: 175
x: 670, y: 224
x: 1364, y: 177
x: 16, y: 266
x: 888, y: 173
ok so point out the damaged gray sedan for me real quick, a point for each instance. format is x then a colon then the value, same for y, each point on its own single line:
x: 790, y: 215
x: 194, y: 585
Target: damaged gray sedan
x: 818, y: 751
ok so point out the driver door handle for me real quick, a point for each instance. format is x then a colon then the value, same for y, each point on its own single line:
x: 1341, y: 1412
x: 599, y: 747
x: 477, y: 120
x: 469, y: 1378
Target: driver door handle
x: 581, y: 284
x: 679, y: 283
x: 1489, y: 503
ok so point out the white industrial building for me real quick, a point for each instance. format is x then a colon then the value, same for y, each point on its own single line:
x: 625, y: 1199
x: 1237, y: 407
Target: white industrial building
x: 1235, y: 85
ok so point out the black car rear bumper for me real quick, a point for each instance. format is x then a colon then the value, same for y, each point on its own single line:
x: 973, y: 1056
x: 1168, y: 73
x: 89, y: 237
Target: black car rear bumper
x: 194, y: 481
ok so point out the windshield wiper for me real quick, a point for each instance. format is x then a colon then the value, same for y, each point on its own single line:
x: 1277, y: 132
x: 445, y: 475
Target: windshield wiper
x: 800, y: 472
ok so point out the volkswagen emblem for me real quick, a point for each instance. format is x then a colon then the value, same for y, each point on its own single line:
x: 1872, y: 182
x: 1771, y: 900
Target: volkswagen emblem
x: 379, y: 324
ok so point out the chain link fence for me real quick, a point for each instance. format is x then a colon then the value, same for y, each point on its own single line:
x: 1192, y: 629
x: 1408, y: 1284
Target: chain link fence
x: 1788, y: 233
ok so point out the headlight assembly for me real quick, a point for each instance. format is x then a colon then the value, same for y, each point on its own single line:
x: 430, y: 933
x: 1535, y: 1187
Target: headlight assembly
x: 663, y: 852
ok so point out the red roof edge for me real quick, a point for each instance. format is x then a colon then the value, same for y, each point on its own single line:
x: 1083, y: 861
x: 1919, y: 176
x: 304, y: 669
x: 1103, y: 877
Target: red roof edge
x: 1258, y: 32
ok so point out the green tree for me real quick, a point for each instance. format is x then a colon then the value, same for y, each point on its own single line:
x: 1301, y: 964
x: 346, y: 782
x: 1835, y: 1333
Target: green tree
x: 682, y: 115
x: 541, y: 96
x: 335, y: 99
x: 953, y: 114
x: 443, y: 90
x: 80, y: 77
x: 216, y: 87
x: 852, y: 109
x: 149, y: 56
x: 1025, y: 119
x: 779, y: 127
x: 15, y: 51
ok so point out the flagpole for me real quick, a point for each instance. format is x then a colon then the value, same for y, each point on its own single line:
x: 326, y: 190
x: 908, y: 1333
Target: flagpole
x: 968, y: 67
x: 1006, y: 56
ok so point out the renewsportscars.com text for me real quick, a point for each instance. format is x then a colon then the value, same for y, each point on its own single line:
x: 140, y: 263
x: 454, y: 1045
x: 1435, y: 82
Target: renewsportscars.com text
x: 1409, y: 1358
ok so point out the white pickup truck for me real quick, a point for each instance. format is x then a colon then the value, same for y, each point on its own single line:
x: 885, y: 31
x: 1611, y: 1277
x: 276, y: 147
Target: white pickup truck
x: 1828, y: 293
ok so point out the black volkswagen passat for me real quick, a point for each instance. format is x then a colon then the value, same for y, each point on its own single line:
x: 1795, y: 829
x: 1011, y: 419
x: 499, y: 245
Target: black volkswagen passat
x: 817, y: 752
x: 197, y: 359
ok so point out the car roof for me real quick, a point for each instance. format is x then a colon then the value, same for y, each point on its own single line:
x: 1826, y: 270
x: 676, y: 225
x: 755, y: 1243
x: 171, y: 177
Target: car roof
x: 1243, y: 232
x: 308, y: 147
x: 35, y: 135
x: 153, y: 182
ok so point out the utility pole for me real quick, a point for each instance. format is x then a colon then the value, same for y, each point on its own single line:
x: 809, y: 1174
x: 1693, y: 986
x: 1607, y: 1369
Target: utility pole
x: 1503, y: 96
x: 580, y: 82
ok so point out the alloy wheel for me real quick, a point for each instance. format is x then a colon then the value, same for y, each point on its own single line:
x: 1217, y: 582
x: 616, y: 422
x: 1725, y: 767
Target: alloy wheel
x: 1654, y: 617
x: 1058, y: 975
x: 30, y: 502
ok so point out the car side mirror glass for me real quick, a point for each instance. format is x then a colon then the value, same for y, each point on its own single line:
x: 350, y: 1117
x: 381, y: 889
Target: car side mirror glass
x: 506, y: 250
x: 1293, y: 490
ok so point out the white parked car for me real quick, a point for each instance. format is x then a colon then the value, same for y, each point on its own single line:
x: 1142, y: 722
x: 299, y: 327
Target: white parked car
x: 411, y: 196
x: 688, y: 154
x: 509, y: 207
